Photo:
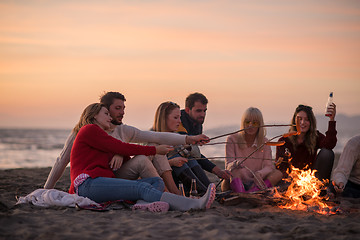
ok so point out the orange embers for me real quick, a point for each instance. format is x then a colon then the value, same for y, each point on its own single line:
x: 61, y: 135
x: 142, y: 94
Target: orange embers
x: 304, y: 193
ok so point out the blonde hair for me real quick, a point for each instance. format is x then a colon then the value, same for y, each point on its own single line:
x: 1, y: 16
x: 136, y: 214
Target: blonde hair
x: 253, y: 114
x: 161, y: 114
x: 88, y: 116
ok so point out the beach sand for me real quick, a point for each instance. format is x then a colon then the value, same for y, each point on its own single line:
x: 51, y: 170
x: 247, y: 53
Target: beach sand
x: 245, y: 220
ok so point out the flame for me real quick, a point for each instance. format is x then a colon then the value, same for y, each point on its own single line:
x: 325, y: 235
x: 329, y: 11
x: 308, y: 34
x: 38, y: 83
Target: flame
x: 304, y: 193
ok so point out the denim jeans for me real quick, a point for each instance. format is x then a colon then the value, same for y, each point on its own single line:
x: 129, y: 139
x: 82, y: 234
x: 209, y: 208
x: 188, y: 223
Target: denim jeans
x: 191, y: 163
x: 103, y: 189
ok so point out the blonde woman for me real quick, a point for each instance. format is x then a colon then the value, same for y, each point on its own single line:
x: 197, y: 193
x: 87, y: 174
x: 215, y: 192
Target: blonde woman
x: 184, y: 169
x: 258, y: 171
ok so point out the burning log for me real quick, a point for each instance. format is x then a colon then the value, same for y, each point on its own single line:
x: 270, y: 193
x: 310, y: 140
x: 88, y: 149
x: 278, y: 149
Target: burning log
x: 256, y: 198
x: 269, y: 197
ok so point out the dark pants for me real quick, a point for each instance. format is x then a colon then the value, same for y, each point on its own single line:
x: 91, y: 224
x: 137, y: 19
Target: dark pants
x: 324, y: 164
x: 351, y: 190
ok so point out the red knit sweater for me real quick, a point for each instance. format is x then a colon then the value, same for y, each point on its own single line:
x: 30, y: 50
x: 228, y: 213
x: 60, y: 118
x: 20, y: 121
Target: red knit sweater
x: 93, y: 149
x: 302, y: 157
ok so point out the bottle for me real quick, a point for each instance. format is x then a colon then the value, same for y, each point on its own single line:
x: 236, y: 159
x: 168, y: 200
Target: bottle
x: 193, y: 191
x: 329, y: 102
x: 181, y: 188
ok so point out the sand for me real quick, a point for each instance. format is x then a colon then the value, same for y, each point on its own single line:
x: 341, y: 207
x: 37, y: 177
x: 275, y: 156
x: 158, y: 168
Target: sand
x: 245, y: 220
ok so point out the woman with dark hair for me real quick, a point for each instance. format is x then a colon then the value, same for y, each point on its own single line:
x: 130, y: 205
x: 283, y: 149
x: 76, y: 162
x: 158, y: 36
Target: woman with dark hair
x: 92, y: 176
x: 303, y: 148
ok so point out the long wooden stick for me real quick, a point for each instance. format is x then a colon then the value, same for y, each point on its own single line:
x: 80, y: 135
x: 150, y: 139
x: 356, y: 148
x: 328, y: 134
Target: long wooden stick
x: 271, y: 125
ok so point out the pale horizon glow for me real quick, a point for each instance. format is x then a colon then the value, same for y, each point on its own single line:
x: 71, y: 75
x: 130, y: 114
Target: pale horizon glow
x: 57, y: 57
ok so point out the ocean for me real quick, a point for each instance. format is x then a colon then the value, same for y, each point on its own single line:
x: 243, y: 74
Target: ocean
x: 29, y: 148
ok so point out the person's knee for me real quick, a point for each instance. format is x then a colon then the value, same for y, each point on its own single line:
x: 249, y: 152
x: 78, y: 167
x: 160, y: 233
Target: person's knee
x: 326, y: 155
x: 193, y: 163
x: 278, y: 175
x: 275, y: 176
x: 160, y: 184
x: 225, y: 185
x: 178, y: 170
x: 161, y: 165
x: 149, y: 184
x: 143, y: 163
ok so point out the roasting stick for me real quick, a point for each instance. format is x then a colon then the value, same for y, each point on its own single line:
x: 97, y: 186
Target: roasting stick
x: 185, y: 146
x: 272, y: 125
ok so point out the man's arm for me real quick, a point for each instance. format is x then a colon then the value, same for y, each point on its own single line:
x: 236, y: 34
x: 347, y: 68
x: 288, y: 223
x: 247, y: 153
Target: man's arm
x: 135, y: 135
x: 346, y: 162
x: 60, y: 164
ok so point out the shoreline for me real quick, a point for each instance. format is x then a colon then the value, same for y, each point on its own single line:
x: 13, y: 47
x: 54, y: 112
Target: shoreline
x: 219, y: 162
x: 246, y: 220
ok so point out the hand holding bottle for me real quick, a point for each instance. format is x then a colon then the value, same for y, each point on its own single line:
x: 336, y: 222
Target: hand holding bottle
x: 330, y: 110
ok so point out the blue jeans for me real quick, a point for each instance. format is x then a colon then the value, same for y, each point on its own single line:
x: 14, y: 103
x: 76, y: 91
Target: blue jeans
x: 191, y: 163
x: 103, y: 189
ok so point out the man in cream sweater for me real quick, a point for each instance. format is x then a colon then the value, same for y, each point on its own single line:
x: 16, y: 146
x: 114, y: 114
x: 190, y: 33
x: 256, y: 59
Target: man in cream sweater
x: 346, y: 175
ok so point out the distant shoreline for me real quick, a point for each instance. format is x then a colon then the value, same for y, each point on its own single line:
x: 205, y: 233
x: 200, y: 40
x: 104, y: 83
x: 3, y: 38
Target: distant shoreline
x: 220, y: 163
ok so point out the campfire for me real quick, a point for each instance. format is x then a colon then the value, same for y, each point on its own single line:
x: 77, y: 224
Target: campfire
x: 303, y: 193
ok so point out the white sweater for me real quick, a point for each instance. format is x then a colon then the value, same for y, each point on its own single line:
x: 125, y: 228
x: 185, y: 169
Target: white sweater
x: 348, y: 167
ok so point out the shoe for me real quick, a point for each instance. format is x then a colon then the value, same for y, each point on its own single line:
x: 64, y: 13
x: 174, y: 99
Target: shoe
x: 212, y: 189
x: 152, y: 207
x: 237, y: 186
x: 256, y: 188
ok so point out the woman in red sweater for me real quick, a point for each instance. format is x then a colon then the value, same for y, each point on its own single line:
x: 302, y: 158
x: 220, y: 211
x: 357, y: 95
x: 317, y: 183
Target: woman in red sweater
x: 92, y: 177
x: 303, y: 148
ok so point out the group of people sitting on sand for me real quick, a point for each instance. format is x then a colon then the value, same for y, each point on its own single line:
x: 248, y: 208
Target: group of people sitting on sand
x: 112, y: 161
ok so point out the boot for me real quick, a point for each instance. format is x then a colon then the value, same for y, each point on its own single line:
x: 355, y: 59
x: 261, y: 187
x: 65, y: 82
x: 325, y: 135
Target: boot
x: 237, y: 186
x: 186, y: 176
x: 201, y: 175
x: 181, y: 203
x: 256, y: 188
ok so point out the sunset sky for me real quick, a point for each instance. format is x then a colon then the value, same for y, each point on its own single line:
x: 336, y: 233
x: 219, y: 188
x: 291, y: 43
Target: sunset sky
x: 56, y: 57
